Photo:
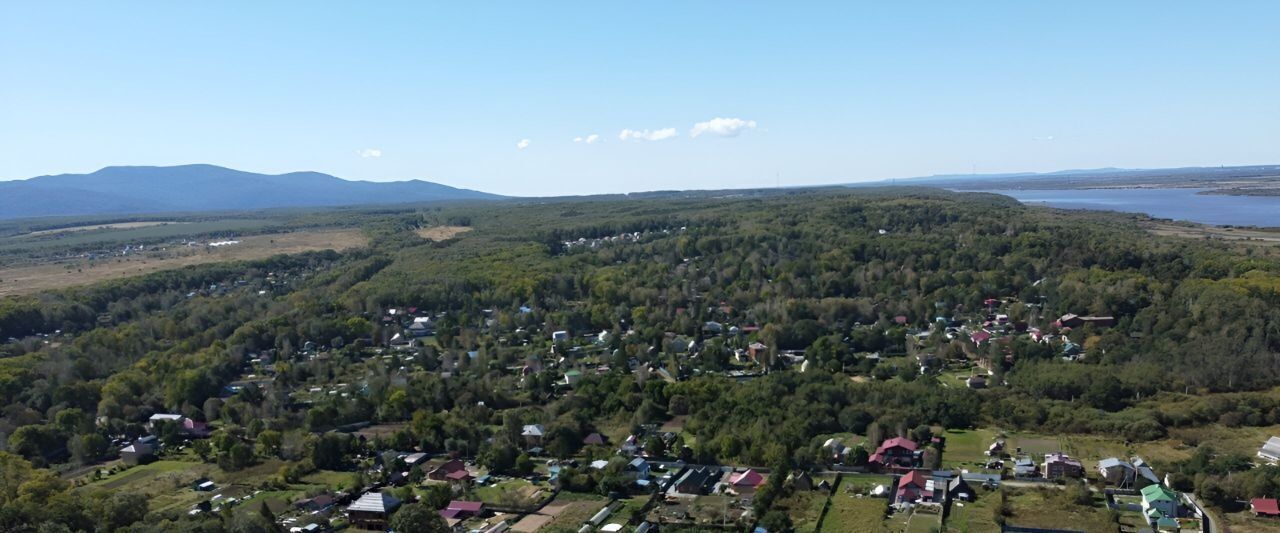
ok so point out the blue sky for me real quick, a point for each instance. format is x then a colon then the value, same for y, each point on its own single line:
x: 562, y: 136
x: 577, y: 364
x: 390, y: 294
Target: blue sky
x: 811, y: 92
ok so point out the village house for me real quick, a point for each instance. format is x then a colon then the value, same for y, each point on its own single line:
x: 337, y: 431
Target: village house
x: 1265, y: 507
x: 800, y: 481
x: 1025, y: 467
x: 638, y: 468
x: 1070, y: 320
x: 630, y: 446
x: 316, y: 504
x: 912, y: 488
x: 1270, y: 451
x: 421, y: 327
x: 996, y: 449
x: 372, y: 510
x: 533, y: 434
x: 897, y: 452
x: 163, y: 417
x: 460, y: 510
x: 1117, y: 472
x: 594, y: 439
x: 460, y: 480
x: 414, y: 459
x: 746, y: 482
x: 976, y: 381
x: 959, y: 489
x: 1159, y: 503
x: 137, y: 453
x: 441, y: 473
x: 1061, y: 465
x: 698, y: 480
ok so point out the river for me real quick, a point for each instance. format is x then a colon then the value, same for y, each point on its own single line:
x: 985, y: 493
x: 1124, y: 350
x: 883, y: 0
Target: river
x: 1176, y: 204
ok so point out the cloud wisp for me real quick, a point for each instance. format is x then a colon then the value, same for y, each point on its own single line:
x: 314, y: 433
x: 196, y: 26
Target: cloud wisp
x: 647, y: 135
x: 589, y: 139
x: 722, y: 127
x: 370, y: 152
x: 524, y: 143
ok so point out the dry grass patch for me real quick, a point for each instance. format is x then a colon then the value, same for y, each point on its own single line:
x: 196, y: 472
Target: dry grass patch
x: 441, y: 233
x: 31, y: 279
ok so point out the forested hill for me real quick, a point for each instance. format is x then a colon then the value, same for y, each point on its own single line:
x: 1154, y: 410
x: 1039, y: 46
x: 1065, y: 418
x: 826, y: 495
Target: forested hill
x: 132, y: 190
x: 871, y: 284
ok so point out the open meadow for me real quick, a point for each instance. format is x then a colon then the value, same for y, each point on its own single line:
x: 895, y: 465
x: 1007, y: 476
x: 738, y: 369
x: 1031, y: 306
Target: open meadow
x: 16, y: 280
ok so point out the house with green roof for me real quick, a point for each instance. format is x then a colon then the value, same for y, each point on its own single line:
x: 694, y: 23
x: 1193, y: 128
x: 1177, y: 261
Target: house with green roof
x: 1159, y: 502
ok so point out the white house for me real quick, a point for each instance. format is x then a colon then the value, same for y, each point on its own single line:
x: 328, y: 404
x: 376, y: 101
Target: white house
x: 1270, y: 451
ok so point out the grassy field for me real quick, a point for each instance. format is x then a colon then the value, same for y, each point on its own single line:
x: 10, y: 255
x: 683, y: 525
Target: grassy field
x: 510, y: 492
x: 441, y: 233
x: 1044, y: 508
x: 576, y: 510
x: 138, y: 232
x: 1032, y: 444
x: 851, y: 513
x: 1245, y: 522
x: 967, y: 446
x: 31, y: 279
x: 330, y: 478
x: 862, y: 483
x: 167, y: 484
x: 92, y: 227
x: 924, y: 520
x: 972, y: 517
x: 1198, y: 231
x: 804, y: 507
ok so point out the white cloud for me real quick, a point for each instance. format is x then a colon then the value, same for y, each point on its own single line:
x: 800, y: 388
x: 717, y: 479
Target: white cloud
x: 370, y: 152
x: 590, y: 139
x: 723, y: 127
x: 1047, y: 138
x: 524, y: 143
x: 647, y: 135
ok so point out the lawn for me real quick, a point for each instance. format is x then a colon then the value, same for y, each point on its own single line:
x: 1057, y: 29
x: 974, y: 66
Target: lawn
x: 804, y: 507
x: 924, y: 520
x: 1032, y: 444
x: 861, y: 483
x: 1245, y: 522
x: 576, y: 511
x: 330, y: 478
x: 967, y: 446
x: 852, y: 513
x: 630, y: 507
x: 1043, y: 508
x: 509, y: 492
x: 169, y: 473
x: 972, y: 517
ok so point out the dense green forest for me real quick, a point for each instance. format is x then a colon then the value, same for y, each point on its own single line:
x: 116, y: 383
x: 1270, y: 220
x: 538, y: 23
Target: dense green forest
x: 838, y: 274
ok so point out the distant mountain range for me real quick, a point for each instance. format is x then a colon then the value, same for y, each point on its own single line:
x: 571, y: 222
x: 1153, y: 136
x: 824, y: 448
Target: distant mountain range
x: 188, y: 188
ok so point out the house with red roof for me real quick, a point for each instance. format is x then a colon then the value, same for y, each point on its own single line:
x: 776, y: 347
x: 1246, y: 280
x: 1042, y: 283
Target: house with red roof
x: 913, y: 488
x: 1268, y: 507
x: 460, y: 478
x: 746, y: 481
x: 980, y: 337
x: 459, y: 510
x: 441, y: 473
x: 895, y: 453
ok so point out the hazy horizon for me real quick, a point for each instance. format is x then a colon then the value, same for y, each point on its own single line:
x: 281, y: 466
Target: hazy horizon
x: 546, y: 100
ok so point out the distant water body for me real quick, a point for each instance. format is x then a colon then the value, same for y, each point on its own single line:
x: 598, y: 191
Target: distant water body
x: 1176, y: 204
